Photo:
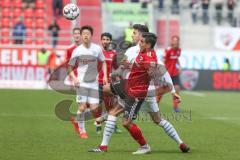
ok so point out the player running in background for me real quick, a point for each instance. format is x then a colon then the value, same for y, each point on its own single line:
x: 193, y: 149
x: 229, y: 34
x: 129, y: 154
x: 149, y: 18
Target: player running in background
x: 87, y: 56
x: 171, y: 61
x: 75, y: 44
x: 150, y: 104
x: 110, y: 57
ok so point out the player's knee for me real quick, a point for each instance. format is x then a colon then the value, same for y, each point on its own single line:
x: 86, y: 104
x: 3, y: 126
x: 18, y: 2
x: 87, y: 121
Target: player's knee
x: 155, y: 120
x: 81, y: 108
x: 126, y: 123
x: 177, y: 88
x: 112, y: 113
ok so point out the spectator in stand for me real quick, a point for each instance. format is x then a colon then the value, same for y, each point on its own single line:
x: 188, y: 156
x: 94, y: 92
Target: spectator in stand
x: 195, y: 5
x: 230, y: 6
x: 160, y: 4
x: 52, y: 65
x: 28, y: 3
x: 205, y: 6
x: 54, y: 29
x: 226, y: 65
x: 175, y: 6
x: 43, y: 55
x: 145, y: 3
x: 128, y: 33
x: 218, y: 7
x: 19, y: 32
x: 135, y: 1
x: 57, y: 8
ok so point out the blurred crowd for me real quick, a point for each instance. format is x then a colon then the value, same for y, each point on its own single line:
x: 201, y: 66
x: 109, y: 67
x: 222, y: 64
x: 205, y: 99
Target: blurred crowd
x: 199, y: 9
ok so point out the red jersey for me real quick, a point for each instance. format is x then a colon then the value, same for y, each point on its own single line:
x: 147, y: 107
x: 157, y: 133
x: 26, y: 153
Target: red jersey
x: 139, y: 79
x: 69, y: 55
x: 109, y: 58
x: 69, y: 51
x: 171, y: 60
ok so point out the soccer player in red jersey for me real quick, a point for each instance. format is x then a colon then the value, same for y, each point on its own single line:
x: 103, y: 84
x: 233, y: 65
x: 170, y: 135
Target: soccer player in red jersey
x: 106, y: 39
x: 131, y: 94
x: 171, y: 61
x: 110, y: 58
x: 77, y: 42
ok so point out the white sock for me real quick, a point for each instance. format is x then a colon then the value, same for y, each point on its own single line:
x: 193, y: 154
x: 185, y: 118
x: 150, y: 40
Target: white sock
x: 81, y: 121
x: 109, y: 129
x: 170, y: 131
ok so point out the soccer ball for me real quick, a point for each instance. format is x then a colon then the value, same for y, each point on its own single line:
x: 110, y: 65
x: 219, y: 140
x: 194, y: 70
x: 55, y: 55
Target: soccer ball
x: 71, y: 11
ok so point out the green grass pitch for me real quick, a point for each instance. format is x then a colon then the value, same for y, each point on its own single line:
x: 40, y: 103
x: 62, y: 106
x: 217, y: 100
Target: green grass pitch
x: 29, y: 129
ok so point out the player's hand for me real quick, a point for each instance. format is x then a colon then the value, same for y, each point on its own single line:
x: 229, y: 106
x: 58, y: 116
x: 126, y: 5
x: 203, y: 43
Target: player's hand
x: 76, y: 82
x: 105, y: 80
x: 176, y: 97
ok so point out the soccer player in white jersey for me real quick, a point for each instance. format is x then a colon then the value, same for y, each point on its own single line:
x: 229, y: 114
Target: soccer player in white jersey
x: 86, y: 56
x: 150, y: 104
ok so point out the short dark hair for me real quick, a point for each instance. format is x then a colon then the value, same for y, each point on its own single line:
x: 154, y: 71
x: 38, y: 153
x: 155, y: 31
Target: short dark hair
x: 106, y: 34
x: 150, y: 38
x: 77, y: 28
x: 87, y: 27
x: 141, y: 28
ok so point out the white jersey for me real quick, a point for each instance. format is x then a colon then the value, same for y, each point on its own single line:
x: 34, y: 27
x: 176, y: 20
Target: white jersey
x: 132, y: 53
x: 87, y: 61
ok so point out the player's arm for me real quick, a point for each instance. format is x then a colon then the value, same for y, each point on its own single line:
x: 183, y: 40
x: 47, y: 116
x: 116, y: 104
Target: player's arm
x: 101, y: 58
x: 165, y: 56
x: 163, y: 81
x: 104, y: 69
x: 167, y: 78
x: 179, y: 64
x: 71, y: 68
x: 72, y: 75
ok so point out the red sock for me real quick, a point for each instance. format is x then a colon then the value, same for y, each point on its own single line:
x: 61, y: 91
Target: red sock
x: 175, y: 104
x: 137, y: 134
x: 97, y: 113
x: 159, y: 98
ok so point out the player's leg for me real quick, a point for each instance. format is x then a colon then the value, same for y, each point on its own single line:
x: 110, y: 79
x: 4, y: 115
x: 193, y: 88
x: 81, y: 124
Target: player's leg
x: 81, y: 119
x: 100, y: 119
x: 94, y: 99
x: 79, y: 122
x: 109, y: 129
x: 176, y: 83
x: 111, y: 101
x: 131, y: 109
x: 167, y: 126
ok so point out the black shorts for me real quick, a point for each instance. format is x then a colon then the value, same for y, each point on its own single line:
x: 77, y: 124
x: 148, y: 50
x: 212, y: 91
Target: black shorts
x: 176, y: 80
x: 100, y: 92
x: 131, y: 108
x: 131, y: 105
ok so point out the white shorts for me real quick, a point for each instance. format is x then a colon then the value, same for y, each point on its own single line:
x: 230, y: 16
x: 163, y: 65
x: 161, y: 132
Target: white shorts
x: 88, y: 93
x: 150, y: 105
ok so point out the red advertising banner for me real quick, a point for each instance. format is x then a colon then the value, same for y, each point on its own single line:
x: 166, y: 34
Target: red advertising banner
x: 210, y: 80
x: 20, y: 67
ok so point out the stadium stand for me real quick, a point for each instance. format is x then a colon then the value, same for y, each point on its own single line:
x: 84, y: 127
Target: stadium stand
x: 165, y: 23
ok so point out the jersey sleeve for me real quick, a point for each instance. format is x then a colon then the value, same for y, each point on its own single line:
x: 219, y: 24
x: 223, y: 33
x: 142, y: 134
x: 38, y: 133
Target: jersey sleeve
x: 128, y: 54
x: 73, y: 59
x: 165, y: 55
x: 101, y: 56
